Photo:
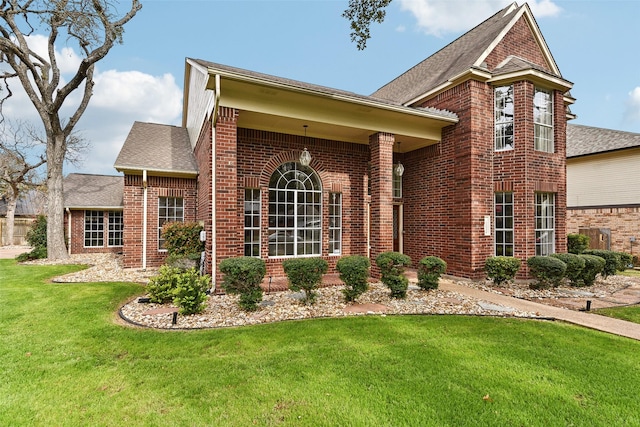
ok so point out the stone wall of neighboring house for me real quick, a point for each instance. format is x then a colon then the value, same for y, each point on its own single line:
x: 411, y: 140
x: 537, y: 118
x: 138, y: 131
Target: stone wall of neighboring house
x: 77, y: 239
x: 623, y: 223
x: 157, y: 186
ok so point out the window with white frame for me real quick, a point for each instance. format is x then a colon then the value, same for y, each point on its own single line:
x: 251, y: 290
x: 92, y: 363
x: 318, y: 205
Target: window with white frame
x: 252, y: 222
x: 397, y: 183
x: 116, y: 227
x: 503, y: 116
x: 503, y: 227
x: 295, y: 206
x: 335, y: 223
x: 545, y: 223
x: 170, y: 209
x: 543, y: 120
x: 93, y: 228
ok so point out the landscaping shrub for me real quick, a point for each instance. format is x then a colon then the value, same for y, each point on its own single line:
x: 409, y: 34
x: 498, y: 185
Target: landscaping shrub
x: 242, y: 276
x: 190, y: 293
x: 392, y: 265
x: 161, y: 287
x: 354, y: 272
x: 577, y: 243
x: 625, y: 261
x: 430, y: 268
x: 305, y: 274
x: 575, y: 265
x: 183, y: 245
x: 501, y: 269
x: 547, y: 270
x: 593, y: 265
x: 610, y: 258
x: 37, y: 239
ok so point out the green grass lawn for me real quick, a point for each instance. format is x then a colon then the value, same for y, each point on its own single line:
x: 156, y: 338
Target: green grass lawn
x: 65, y: 362
x: 630, y: 313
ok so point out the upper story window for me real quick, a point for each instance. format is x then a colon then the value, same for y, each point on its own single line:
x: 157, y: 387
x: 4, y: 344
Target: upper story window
x: 503, y: 109
x: 543, y: 120
x: 295, y: 206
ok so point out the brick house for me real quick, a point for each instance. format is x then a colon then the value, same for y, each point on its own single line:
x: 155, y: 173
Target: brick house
x: 462, y: 156
x: 603, y: 201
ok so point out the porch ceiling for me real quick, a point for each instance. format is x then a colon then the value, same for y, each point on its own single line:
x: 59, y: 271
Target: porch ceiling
x: 279, y: 108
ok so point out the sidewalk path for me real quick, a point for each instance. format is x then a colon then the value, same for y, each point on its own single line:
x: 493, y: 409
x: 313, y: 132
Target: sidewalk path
x: 589, y: 320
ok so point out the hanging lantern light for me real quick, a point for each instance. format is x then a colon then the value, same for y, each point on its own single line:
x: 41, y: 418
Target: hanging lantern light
x: 398, y: 169
x: 305, y: 156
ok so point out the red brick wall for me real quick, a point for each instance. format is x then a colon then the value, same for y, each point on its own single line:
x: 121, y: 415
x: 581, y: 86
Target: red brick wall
x: 519, y: 41
x: 204, y: 210
x: 133, y: 214
x: 77, y: 234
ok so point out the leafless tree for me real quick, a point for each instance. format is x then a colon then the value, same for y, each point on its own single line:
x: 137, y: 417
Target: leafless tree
x: 93, y: 26
x: 21, y: 157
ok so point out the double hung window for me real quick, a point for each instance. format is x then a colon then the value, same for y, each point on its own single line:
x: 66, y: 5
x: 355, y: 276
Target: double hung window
x: 335, y: 223
x: 503, y: 208
x: 503, y: 117
x: 543, y: 120
x: 252, y: 222
x: 170, y: 209
x: 545, y: 220
x: 116, y: 227
x: 93, y: 228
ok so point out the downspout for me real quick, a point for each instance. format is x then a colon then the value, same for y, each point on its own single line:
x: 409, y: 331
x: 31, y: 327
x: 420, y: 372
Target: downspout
x: 69, y: 230
x: 144, y: 219
x: 214, y: 121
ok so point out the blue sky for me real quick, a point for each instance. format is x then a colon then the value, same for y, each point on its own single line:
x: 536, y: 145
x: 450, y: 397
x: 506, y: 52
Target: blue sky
x: 595, y: 44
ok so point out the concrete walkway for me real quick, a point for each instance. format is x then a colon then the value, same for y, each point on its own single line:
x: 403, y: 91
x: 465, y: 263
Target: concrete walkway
x: 589, y: 320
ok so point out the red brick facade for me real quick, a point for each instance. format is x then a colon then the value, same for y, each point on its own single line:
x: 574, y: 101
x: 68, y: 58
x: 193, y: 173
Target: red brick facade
x: 76, y: 241
x: 622, y: 222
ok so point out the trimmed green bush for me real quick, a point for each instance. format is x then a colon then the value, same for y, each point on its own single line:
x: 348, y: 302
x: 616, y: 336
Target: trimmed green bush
x: 161, y: 287
x: 305, y: 274
x: 190, y: 293
x: 501, y: 269
x: 392, y: 266
x: 430, y: 268
x: 575, y: 265
x: 242, y: 276
x: 611, y: 261
x: 593, y: 265
x: 183, y: 245
x: 547, y: 271
x: 354, y: 272
x: 577, y: 243
x: 625, y: 261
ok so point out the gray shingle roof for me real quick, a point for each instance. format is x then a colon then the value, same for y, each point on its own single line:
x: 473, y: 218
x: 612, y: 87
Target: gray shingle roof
x: 585, y: 140
x: 93, y: 191
x: 452, y: 60
x: 30, y: 203
x: 313, y: 87
x: 156, y: 147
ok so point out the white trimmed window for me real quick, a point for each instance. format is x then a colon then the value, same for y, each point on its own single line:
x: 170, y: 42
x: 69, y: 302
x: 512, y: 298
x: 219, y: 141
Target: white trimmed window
x: 503, y: 116
x: 252, y: 222
x: 397, y: 184
x: 335, y: 223
x: 503, y: 209
x: 170, y: 209
x: 295, y: 206
x: 545, y: 223
x: 93, y: 229
x: 543, y: 120
x: 116, y: 227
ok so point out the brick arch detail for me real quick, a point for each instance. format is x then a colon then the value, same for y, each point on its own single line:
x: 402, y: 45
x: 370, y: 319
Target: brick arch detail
x: 293, y: 156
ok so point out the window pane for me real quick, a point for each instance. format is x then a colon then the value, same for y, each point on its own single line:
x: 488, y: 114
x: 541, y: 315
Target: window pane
x: 503, y: 117
x: 170, y: 209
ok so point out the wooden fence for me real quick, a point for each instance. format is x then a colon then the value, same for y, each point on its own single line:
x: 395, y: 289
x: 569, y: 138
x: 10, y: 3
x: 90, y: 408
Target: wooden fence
x: 20, y: 228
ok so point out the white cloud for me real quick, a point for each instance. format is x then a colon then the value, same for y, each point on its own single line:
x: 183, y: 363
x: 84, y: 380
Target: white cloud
x: 439, y: 17
x: 632, y: 112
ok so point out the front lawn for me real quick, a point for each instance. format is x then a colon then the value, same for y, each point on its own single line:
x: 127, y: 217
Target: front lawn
x: 630, y: 313
x: 65, y: 362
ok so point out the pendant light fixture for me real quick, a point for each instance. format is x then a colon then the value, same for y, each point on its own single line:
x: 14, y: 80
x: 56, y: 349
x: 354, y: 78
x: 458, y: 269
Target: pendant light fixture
x: 398, y: 169
x: 305, y: 156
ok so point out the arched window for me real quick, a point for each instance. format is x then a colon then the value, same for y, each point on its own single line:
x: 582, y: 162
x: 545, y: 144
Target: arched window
x: 295, y: 206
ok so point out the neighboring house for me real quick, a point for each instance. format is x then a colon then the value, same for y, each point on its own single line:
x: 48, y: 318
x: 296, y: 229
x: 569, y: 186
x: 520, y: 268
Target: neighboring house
x: 94, y: 213
x: 462, y: 157
x: 29, y: 205
x: 603, y: 187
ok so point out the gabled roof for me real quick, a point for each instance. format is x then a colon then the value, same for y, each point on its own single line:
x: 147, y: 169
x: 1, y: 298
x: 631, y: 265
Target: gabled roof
x: 586, y: 140
x: 30, y: 203
x: 465, y: 54
x: 85, y: 191
x: 157, y: 148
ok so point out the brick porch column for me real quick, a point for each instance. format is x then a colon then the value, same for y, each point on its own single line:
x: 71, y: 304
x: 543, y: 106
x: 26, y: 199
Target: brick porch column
x: 229, y: 227
x: 381, y: 212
